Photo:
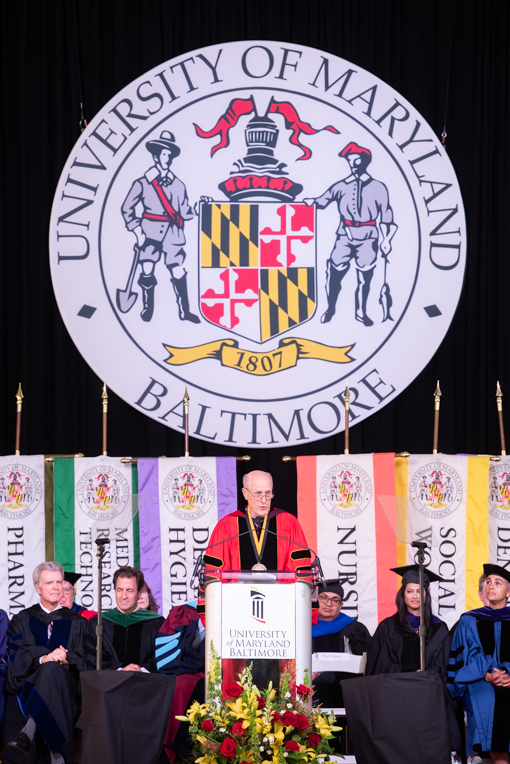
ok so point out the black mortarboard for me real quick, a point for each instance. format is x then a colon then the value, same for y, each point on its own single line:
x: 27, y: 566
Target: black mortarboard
x: 411, y: 575
x: 332, y: 585
x: 71, y: 577
x: 496, y: 570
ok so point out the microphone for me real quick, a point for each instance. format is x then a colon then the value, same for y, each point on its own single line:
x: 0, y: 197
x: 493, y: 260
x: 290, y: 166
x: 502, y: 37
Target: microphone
x: 199, y: 565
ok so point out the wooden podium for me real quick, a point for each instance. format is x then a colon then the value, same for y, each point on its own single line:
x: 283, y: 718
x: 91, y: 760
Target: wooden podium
x: 262, y: 617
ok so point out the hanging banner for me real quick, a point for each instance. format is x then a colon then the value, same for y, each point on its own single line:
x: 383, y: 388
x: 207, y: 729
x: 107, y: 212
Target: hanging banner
x: 183, y: 500
x: 342, y: 520
x: 93, y: 498
x: 22, y: 529
x: 447, y: 508
x: 499, y: 512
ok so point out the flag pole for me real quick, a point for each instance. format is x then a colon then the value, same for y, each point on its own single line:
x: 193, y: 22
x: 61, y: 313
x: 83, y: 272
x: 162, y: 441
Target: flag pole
x: 347, y: 398
x: 186, y: 422
x: 437, y: 404
x: 104, y: 398
x: 19, y: 399
x: 499, y: 403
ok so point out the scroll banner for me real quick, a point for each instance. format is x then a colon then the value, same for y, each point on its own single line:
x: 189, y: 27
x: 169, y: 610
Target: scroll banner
x: 286, y: 356
x: 94, y: 497
x: 342, y: 520
x: 183, y: 500
x: 499, y: 512
x: 22, y: 529
x: 447, y: 507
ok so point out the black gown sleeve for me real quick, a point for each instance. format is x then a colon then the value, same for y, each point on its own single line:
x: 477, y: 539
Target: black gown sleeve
x: 24, y: 654
x: 384, y: 656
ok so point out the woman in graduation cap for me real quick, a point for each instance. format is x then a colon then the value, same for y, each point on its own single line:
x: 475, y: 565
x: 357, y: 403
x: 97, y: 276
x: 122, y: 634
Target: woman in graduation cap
x: 479, y: 669
x: 395, y: 646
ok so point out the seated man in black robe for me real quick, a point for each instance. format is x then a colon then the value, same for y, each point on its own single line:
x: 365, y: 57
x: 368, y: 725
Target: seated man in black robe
x: 329, y: 635
x: 46, y: 654
x: 129, y: 633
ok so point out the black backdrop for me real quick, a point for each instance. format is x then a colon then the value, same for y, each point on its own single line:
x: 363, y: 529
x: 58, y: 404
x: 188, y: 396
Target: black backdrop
x: 407, y: 43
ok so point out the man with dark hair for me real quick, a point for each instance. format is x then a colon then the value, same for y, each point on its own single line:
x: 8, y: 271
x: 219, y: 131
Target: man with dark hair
x: 129, y: 633
x: 155, y: 210
x: 365, y: 214
x: 335, y: 632
x: 46, y: 654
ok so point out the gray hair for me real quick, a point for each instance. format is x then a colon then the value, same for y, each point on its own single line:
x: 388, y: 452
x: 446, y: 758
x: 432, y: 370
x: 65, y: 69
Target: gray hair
x: 50, y: 565
x: 246, y: 478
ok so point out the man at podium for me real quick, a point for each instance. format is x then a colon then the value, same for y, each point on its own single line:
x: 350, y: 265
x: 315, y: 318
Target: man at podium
x: 258, y: 537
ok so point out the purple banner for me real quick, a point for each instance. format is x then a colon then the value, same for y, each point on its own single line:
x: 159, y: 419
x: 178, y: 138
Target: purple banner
x: 226, y: 485
x: 150, y: 533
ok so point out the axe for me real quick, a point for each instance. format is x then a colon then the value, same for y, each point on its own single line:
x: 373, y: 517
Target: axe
x: 125, y: 297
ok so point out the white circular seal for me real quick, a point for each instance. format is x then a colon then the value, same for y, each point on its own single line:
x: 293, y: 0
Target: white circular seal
x: 436, y: 490
x: 346, y: 490
x: 188, y: 492
x: 264, y: 224
x: 20, y: 491
x: 499, y: 491
x: 102, y: 492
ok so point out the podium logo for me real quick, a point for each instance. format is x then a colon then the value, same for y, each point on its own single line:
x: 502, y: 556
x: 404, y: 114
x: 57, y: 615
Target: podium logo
x: 257, y: 604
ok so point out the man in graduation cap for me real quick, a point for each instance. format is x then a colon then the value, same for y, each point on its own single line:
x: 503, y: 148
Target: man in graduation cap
x: 395, y: 646
x: 46, y: 654
x: 129, y: 633
x: 335, y: 632
x: 479, y: 669
x: 69, y: 593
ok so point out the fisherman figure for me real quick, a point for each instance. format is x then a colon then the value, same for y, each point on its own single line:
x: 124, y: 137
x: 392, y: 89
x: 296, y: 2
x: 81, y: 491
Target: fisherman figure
x: 155, y: 210
x: 365, y: 214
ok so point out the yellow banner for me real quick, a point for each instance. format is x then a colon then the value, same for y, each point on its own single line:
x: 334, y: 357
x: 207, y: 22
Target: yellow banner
x: 288, y: 353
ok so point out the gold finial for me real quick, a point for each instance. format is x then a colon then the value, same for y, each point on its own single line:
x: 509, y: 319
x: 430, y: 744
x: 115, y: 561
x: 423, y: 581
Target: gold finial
x: 19, y: 398
x: 347, y: 397
x: 104, y: 398
x: 437, y: 397
x: 499, y: 396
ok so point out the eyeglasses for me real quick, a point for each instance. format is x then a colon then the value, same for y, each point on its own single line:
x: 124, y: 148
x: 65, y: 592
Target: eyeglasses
x: 333, y: 600
x: 259, y: 495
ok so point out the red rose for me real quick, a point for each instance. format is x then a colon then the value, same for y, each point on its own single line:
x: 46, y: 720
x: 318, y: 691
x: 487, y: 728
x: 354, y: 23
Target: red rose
x: 276, y: 716
x: 261, y: 702
x: 208, y: 726
x: 233, y: 690
x: 291, y: 745
x: 303, y: 690
x: 228, y: 748
x: 289, y: 719
x: 237, y: 729
x: 314, y: 739
x: 302, y: 722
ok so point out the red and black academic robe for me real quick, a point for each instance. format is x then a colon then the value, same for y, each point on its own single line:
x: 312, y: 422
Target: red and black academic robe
x: 47, y: 692
x: 236, y: 545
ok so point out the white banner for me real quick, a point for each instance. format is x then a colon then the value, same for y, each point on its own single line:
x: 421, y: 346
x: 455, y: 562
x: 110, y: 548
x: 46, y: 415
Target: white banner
x: 22, y: 529
x: 103, y: 508
x: 346, y: 537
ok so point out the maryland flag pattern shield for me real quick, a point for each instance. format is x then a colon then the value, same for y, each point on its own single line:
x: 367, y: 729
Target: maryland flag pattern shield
x: 257, y: 267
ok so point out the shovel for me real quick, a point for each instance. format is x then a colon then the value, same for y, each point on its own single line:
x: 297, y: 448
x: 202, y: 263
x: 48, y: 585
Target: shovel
x: 125, y: 297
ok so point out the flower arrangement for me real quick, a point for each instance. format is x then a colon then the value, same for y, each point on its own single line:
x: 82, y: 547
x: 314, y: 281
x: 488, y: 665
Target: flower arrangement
x: 250, y: 726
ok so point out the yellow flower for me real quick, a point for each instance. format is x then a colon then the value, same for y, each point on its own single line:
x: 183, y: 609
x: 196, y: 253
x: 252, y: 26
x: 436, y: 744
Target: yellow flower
x: 324, y: 728
x: 197, y: 708
x: 207, y: 760
x: 238, y: 709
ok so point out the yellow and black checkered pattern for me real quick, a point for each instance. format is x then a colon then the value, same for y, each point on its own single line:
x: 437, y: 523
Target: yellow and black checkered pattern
x: 229, y: 235
x: 287, y: 298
